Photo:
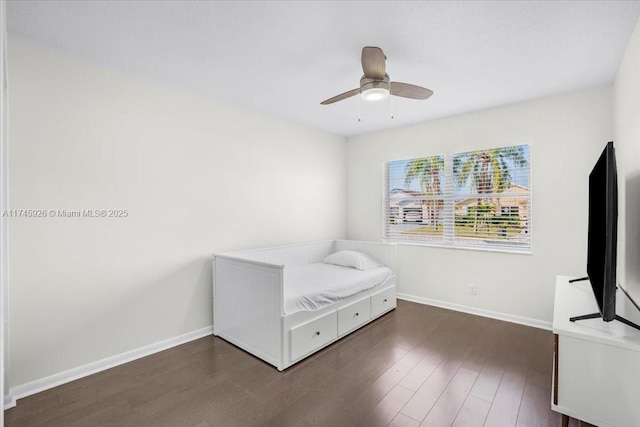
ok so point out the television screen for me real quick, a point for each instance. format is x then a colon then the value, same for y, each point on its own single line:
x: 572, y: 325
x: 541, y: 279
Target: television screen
x: 603, y: 227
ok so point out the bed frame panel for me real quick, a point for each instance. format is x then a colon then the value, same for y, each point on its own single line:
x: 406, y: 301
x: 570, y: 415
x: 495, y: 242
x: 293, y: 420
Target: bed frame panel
x: 290, y: 255
x: 250, y: 316
x: 248, y: 295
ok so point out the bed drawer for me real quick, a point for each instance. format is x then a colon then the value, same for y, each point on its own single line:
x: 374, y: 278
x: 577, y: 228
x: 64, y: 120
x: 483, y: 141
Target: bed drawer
x: 353, y: 315
x: 383, y: 301
x: 313, y: 335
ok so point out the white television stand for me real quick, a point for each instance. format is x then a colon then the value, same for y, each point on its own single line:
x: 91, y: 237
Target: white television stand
x: 596, y: 364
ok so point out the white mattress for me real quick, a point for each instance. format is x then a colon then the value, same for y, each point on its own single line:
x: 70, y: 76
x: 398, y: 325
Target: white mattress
x: 314, y: 286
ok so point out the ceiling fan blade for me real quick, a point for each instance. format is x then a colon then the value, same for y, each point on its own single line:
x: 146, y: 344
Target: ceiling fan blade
x: 406, y: 90
x: 373, y: 62
x: 341, y: 97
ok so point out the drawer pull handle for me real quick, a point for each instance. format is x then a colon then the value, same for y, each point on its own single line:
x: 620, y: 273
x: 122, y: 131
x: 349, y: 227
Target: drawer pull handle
x: 317, y: 332
x: 385, y: 300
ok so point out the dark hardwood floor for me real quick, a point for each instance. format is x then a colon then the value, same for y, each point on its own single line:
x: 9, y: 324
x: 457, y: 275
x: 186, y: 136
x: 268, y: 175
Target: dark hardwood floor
x: 417, y: 365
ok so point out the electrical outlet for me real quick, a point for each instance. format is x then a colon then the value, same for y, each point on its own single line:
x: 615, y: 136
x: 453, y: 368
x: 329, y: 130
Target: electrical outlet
x: 473, y: 289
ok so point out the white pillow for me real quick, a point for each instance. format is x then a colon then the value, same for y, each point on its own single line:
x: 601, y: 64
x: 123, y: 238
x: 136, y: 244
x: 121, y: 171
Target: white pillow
x: 353, y: 259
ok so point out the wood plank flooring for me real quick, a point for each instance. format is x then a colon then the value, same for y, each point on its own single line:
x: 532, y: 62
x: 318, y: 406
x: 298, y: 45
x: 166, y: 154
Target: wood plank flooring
x: 416, y: 366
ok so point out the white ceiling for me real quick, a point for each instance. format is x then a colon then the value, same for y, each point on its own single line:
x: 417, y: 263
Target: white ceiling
x: 283, y: 58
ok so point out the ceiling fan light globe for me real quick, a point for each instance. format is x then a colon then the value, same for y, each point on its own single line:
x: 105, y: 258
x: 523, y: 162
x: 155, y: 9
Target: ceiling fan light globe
x: 375, y: 94
x: 374, y: 89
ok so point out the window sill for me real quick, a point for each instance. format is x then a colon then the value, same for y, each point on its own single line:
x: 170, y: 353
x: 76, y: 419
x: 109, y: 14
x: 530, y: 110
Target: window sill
x: 527, y: 251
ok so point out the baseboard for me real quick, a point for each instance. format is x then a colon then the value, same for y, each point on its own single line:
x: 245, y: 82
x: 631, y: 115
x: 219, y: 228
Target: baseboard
x: 9, y: 402
x: 55, y: 380
x: 527, y: 321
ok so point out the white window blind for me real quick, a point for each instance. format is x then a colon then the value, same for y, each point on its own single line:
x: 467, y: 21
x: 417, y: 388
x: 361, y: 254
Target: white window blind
x: 479, y: 199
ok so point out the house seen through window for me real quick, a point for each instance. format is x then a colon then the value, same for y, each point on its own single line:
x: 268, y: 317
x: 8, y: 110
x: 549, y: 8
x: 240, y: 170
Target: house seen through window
x: 479, y: 199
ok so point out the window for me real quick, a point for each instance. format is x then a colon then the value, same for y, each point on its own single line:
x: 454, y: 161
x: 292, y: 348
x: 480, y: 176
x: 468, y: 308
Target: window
x: 415, y: 199
x: 509, y: 210
x: 478, y: 199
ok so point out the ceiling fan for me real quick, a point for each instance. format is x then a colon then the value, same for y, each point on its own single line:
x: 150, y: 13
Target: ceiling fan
x: 375, y: 83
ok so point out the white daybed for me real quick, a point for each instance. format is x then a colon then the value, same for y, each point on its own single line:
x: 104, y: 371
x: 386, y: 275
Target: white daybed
x: 252, y: 311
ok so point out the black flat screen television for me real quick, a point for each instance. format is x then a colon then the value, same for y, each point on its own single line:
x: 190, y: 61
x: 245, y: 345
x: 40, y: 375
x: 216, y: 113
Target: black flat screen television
x: 603, y: 238
x: 603, y: 229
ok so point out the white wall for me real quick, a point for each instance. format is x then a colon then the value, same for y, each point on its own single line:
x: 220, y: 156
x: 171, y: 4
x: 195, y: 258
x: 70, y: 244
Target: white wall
x: 3, y: 205
x: 566, y: 135
x: 195, y: 176
x: 626, y: 95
